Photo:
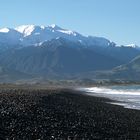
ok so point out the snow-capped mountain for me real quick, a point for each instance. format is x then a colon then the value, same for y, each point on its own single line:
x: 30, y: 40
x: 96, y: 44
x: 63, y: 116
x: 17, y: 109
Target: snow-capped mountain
x: 52, y: 50
x: 27, y: 35
x: 132, y: 46
x: 36, y: 34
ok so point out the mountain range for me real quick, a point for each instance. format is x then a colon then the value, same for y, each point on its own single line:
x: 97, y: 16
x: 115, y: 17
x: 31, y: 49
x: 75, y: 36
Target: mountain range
x: 49, y: 52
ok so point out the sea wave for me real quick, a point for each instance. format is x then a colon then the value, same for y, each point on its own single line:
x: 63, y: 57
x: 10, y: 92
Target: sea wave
x: 126, y: 96
x: 113, y: 91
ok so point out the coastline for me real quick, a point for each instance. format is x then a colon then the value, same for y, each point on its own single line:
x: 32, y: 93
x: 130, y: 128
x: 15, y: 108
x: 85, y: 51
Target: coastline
x: 64, y: 114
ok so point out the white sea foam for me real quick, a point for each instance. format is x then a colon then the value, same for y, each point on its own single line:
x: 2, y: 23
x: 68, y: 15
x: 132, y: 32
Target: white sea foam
x: 127, y: 96
x: 113, y: 91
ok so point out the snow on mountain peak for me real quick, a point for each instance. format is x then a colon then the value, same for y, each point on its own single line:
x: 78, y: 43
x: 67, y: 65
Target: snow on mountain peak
x: 69, y: 32
x: 42, y: 27
x: 132, y: 45
x: 25, y: 29
x: 65, y: 31
x: 54, y: 26
x: 27, y: 35
x: 4, y: 30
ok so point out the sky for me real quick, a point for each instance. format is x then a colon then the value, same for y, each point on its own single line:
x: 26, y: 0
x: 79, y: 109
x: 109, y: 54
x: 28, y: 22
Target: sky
x: 116, y: 20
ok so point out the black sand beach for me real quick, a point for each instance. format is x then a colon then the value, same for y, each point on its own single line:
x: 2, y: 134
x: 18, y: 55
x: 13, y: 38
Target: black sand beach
x: 64, y: 115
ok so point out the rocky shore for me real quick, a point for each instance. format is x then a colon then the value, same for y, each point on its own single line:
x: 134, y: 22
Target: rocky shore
x: 63, y: 115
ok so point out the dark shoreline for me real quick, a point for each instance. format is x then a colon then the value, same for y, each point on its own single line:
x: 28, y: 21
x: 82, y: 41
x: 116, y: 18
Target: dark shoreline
x: 63, y: 114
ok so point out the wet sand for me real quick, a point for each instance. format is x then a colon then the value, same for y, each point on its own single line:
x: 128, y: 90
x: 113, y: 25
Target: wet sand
x: 64, y: 115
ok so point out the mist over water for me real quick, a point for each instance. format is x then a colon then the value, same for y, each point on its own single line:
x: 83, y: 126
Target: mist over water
x: 127, y: 96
